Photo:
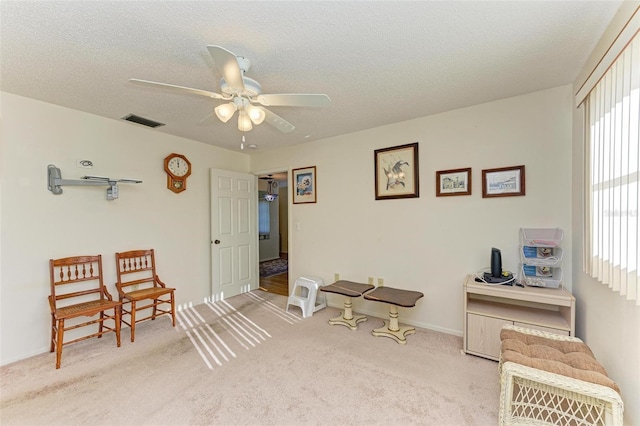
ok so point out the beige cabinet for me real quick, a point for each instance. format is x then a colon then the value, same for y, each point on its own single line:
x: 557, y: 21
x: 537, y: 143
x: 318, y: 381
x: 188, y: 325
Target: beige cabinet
x: 488, y: 307
x: 483, y: 335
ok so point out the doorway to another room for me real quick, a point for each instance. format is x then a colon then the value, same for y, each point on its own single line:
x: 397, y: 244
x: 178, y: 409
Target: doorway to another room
x: 273, y: 230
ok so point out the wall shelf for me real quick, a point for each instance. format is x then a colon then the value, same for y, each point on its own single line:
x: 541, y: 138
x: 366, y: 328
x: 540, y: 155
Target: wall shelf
x: 55, y: 182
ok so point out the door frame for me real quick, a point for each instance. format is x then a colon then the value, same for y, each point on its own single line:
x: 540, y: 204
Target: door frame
x: 289, y: 203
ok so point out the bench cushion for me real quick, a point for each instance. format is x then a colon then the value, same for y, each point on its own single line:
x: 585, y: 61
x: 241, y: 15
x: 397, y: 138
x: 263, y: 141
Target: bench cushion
x: 571, y: 359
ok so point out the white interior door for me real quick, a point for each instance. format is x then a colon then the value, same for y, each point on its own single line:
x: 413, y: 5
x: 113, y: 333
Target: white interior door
x: 234, y: 236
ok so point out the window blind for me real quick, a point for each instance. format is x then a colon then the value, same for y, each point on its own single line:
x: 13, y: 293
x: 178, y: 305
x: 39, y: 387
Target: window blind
x: 264, y: 219
x: 627, y: 32
x: 612, y: 163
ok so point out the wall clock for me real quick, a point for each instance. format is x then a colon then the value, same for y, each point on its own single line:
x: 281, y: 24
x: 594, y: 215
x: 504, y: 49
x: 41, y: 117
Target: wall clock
x: 178, y: 169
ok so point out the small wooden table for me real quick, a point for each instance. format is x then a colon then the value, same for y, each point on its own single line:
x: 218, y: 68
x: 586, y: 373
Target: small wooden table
x: 394, y: 297
x: 348, y: 289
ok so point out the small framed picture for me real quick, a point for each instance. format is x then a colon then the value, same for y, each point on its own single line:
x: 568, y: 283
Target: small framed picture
x: 503, y: 182
x: 396, y: 172
x: 453, y: 182
x: 304, y: 185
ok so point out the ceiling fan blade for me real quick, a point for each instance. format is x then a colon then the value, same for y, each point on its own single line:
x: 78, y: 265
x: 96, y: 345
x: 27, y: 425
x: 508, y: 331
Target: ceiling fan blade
x: 228, y: 63
x: 278, y: 122
x: 178, y: 88
x: 297, y: 100
x: 207, y: 117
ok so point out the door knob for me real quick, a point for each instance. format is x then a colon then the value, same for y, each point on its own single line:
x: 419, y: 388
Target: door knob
x: 216, y: 242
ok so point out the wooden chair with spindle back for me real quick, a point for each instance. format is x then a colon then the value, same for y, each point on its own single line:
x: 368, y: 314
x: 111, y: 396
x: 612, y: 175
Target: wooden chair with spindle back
x: 77, y: 290
x: 139, y: 282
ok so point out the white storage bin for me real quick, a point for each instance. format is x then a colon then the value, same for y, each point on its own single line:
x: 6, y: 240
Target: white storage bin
x: 537, y: 256
x: 553, y: 281
x: 542, y: 237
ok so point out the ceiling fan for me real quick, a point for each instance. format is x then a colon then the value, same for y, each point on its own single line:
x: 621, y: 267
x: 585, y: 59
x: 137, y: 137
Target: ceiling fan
x: 244, y: 94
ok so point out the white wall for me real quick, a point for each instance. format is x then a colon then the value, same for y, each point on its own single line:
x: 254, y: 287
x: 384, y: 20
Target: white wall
x: 429, y: 244
x: 37, y: 225
x: 283, y: 217
x: 605, y: 320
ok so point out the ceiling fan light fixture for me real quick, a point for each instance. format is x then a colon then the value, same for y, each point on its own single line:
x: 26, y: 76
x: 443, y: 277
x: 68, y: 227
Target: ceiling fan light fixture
x: 244, y: 122
x: 225, y: 111
x: 238, y: 92
x: 256, y: 114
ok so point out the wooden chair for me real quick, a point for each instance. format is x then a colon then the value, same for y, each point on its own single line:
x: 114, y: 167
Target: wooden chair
x: 138, y: 282
x: 77, y: 290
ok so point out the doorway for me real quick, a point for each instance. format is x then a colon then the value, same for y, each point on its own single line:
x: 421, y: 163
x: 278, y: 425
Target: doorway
x: 273, y: 241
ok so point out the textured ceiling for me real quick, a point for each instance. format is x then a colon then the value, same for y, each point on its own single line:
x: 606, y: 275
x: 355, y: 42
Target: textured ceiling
x: 379, y: 62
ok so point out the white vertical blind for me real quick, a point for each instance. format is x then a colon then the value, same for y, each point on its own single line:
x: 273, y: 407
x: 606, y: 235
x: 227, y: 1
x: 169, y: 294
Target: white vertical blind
x: 612, y: 167
x: 627, y: 32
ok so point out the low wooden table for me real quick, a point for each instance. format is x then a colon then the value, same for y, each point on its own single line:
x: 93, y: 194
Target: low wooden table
x: 394, y: 297
x: 348, y: 289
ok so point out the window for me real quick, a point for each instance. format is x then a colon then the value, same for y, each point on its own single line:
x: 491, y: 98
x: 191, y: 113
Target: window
x: 612, y: 162
x: 264, y: 220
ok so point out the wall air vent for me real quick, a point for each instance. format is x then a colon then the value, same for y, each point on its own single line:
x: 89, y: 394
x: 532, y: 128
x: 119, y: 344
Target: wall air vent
x: 141, y: 120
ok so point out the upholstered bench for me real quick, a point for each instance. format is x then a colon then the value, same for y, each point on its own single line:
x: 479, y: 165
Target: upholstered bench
x: 553, y: 379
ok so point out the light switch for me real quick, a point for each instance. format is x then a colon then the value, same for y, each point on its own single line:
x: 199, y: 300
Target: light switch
x: 297, y: 226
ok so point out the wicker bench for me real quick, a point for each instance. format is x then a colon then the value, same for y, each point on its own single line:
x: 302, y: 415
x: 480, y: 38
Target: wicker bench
x: 552, y: 379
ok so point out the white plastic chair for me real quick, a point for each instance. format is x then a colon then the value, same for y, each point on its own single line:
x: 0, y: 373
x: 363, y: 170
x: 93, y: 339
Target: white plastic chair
x: 305, y: 295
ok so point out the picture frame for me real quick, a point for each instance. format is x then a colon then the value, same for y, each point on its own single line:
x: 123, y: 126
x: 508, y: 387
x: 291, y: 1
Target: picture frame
x: 396, y: 172
x: 503, y: 182
x: 453, y: 182
x: 304, y: 185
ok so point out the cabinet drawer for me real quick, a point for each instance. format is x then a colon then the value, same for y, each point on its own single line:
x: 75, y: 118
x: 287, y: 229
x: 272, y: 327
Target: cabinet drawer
x: 483, y: 335
x: 541, y: 328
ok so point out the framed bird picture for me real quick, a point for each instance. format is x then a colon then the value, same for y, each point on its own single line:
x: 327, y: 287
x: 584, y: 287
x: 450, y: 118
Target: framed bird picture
x: 396, y: 172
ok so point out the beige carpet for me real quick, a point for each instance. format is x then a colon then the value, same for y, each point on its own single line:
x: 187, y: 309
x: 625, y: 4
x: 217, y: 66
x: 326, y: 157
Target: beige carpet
x: 245, y: 361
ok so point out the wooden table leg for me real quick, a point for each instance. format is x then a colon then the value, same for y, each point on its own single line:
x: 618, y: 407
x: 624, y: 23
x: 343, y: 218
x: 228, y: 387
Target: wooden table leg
x: 347, y: 318
x: 392, y: 329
